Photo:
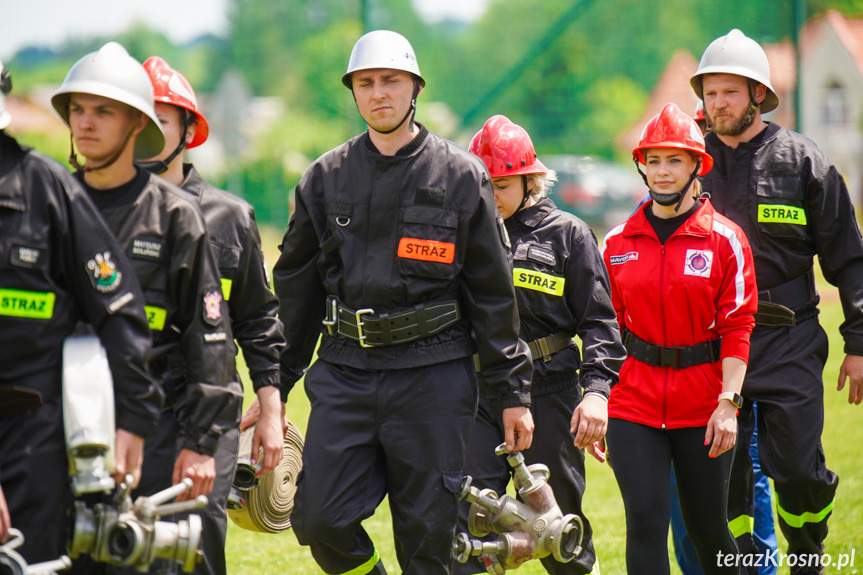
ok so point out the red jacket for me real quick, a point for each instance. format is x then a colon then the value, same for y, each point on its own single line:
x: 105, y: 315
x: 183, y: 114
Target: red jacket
x: 698, y: 287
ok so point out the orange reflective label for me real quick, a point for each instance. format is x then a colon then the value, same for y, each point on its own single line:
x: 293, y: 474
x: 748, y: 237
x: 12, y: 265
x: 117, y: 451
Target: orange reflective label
x: 427, y: 250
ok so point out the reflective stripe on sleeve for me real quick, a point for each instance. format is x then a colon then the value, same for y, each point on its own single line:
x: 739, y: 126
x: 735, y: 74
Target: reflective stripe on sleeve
x: 365, y: 567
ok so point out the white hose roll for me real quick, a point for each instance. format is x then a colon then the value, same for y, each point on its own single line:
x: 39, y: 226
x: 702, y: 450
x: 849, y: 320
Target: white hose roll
x: 266, y: 508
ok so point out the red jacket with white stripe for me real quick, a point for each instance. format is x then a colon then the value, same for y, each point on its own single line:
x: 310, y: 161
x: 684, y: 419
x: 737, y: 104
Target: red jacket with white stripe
x: 697, y: 287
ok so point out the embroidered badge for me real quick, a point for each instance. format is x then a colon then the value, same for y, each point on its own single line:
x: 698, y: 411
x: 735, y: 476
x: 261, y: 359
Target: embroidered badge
x: 426, y: 250
x: 104, y: 273
x: 542, y: 255
x: 27, y: 256
x: 212, y: 307
x: 622, y: 259
x: 147, y: 249
x: 698, y: 263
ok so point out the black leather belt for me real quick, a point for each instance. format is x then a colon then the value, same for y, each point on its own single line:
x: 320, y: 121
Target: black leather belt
x: 677, y: 357
x: 372, y: 329
x: 776, y: 305
x: 542, y: 348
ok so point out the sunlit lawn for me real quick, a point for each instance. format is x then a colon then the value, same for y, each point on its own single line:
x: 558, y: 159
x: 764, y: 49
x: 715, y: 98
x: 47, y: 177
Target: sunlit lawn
x: 258, y: 554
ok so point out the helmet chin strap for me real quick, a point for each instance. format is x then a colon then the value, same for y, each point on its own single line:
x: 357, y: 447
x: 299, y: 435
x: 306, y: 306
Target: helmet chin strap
x: 668, y: 199
x: 411, y: 110
x: 161, y: 166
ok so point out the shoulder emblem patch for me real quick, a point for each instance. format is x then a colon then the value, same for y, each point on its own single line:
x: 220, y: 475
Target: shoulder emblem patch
x: 104, y: 274
x: 212, y: 307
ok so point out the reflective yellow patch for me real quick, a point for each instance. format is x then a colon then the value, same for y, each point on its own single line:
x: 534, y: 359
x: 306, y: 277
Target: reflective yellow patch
x: 29, y: 304
x: 773, y: 214
x: 156, y: 317
x: 537, y: 281
x: 226, y: 288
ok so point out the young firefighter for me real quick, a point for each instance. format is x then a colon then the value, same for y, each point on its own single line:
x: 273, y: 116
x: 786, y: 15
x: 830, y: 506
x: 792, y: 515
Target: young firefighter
x: 792, y: 204
x: 396, y: 246
x: 51, y: 235
x: 107, y: 102
x: 683, y: 287
x: 233, y: 236
x: 562, y: 290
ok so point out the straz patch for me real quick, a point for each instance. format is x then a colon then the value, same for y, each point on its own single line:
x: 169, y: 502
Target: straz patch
x: 537, y: 281
x: 156, y: 317
x: 29, y: 304
x: 698, y: 263
x: 104, y: 274
x: 622, y: 259
x: 426, y: 250
x: 147, y: 249
x: 773, y: 214
x: 212, y: 307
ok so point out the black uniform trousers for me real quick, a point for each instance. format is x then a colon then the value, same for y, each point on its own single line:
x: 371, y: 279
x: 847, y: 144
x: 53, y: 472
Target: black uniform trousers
x: 401, y: 432
x: 553, y: 447
x: 785, y: 378
x: 34, y: 470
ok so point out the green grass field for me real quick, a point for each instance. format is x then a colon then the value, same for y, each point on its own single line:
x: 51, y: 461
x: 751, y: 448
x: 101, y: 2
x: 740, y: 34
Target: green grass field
x: 259, y: 554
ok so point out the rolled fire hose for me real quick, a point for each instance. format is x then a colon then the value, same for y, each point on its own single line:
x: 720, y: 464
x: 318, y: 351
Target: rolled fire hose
x: 264, y: 504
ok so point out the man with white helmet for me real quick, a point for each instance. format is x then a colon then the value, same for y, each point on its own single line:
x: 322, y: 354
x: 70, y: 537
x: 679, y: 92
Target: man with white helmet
x: 793, y: 204
x: 396, y: 248
x: 107, y: 102
x: 236, y: 243
x: 50, y: 233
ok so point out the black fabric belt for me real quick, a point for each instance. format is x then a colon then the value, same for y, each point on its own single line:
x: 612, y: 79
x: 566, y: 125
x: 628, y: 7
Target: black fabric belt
x: 776, y: 305
x: 372, y: 329
x: 542, y: 348
x: 677, y: 357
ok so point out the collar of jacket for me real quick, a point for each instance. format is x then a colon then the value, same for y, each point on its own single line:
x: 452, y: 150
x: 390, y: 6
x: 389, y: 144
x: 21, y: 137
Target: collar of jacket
x: 407, y: 150
x: 700, y: 224
x: 532, y: 216
x: 11, y: 179
x: 192, y: 181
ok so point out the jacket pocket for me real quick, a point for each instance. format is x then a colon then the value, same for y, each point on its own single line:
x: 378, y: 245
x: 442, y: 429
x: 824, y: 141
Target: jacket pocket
x: 428, y: 242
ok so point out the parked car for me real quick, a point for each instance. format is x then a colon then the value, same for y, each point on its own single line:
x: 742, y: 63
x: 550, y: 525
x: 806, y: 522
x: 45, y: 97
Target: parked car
x: 600, y: 192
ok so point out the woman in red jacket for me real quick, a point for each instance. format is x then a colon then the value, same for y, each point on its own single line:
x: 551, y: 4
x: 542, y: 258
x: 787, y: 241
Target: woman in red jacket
x: 683, y: 287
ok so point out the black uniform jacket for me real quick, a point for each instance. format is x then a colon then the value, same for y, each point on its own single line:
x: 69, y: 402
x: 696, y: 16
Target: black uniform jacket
x: 162, y: 232
x: 60, y: 263
x: 236, y: 245
x: 358, y: 216
x: 792, y: 204
x: 562, y: 286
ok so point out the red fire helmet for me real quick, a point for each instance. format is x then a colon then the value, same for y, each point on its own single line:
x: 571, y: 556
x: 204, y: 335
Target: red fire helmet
x: 506, y: 149
x: 671, y: 128
x: 171, y: 87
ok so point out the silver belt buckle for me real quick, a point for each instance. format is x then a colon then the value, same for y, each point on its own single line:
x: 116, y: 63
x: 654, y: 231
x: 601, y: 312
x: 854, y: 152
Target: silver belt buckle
x: 332, y: 318
x: 360, y: 335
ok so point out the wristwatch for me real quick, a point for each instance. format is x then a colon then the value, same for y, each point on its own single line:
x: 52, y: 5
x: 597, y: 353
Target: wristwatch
x: 734, y: 398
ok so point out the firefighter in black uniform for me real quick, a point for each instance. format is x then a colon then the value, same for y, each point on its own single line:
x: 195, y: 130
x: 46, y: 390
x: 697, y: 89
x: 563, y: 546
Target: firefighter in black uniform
x: 235, y: 241
x: 394, y: 246
x: 562, y: 290
x: 107, y: 101
x: 49, y: 232
x: 793, y: 204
